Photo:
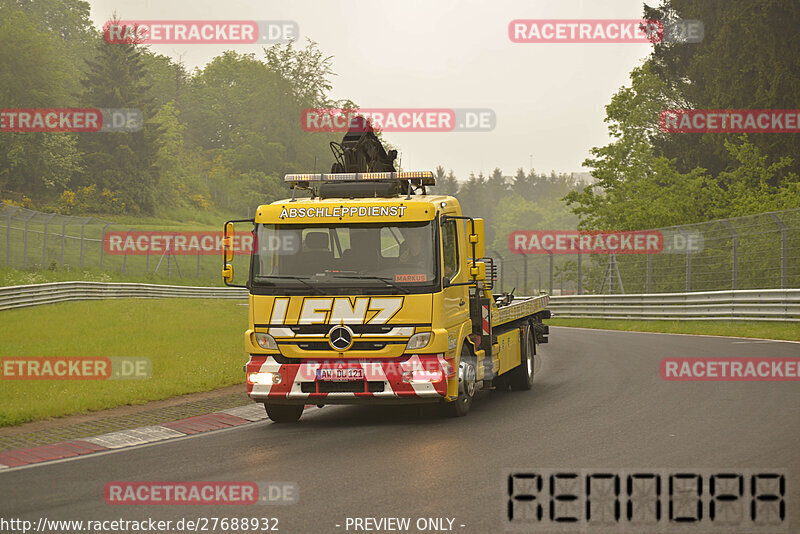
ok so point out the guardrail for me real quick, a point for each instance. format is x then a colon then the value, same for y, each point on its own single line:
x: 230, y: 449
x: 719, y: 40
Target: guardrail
x: 751, y: 305
x: 33, y: 295
x: 757, y: 305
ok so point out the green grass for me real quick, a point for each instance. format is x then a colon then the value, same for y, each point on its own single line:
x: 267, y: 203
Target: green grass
x: 182, y: 219
x: 757, y: 329
x: 194, y: 345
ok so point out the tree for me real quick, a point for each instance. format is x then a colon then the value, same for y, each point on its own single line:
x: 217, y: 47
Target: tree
x: 122, y: 162
x: 749, y: 58
x: 308, y: 71
x: 446, y: 184
x: 179, y: 168
x: 34, y: 73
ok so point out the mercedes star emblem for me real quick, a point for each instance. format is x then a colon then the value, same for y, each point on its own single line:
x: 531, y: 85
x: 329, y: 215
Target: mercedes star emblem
x: 340, y: 337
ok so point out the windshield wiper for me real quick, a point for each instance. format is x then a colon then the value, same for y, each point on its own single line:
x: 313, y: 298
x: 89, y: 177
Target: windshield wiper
x: 381, y: 278
x: 301, y: 279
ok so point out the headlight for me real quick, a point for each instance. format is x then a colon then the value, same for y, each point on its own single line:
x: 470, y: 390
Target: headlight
x: 418, y: 341
x: 264, y: 378
x: 266, y: 341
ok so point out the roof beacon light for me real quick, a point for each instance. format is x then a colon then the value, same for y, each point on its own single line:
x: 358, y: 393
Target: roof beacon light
x: 415, y: 177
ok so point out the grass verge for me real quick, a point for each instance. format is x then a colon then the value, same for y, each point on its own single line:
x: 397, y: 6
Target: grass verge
x: 194, y: 345
x: 759, y: 329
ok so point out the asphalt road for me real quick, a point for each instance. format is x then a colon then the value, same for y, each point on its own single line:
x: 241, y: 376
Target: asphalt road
x: 598, y: 402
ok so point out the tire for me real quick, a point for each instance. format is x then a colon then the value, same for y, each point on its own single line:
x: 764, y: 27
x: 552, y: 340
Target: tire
x: 282, y: 413
x: 521, y: 378
x: 466, y: 385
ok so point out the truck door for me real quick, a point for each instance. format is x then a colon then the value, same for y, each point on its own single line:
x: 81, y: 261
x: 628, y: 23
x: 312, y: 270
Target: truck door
x: 456, y: 302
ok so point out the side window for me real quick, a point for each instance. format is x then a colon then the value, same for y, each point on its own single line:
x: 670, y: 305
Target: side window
x: 450, y: 248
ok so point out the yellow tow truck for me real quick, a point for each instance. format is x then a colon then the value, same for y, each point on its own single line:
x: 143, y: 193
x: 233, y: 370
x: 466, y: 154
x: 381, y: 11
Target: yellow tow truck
x: 371, y: 291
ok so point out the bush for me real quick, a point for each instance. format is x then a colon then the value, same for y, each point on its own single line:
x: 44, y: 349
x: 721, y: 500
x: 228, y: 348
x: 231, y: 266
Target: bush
x: 89, y: 200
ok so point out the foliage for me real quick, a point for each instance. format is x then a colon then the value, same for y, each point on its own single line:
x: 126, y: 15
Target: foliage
x: 215, y: 138
x: 90, y: 199
x: 647, y: 178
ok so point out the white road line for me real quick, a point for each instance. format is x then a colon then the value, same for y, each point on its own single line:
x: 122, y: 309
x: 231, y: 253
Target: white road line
x: 254, y: 412
x: 673, y: 334
x: 125, y: 449
x: 134, y: 436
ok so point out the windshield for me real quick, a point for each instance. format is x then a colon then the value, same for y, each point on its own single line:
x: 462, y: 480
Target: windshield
x: 394, y: 258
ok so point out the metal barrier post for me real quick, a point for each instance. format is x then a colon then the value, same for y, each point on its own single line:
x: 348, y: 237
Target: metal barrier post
x: 8, y: 236
x: 125, y: 256
x: 25, y: 246
x: 580, y: 277
x: 648, y: 274
x: 44, y: 240
x: 784, y: 254
x: 525, y: 274
x: 551, y: 271
x: 735, y: 254
x: 103, y: 243
x: 83, y: 227
x: 688, y: 261
x: 63, y: 238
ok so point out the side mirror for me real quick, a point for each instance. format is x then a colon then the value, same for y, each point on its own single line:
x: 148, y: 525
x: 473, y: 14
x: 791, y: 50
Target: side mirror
x: 228, y: 253
x: 478, y: 272
x: 477, y: 239
x: 227, y: 242
x: 227, y: 274
x: 445, y: 281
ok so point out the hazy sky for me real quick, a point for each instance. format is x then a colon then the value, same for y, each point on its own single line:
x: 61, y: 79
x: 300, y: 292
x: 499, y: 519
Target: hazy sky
x: 548, y: 98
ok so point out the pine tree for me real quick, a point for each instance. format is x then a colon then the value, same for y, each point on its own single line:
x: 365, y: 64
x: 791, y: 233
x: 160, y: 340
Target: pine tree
x: 121, y: 162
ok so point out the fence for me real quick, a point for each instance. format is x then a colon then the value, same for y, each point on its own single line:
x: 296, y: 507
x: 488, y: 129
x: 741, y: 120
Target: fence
x: 753, y: 252
x: 36, y: 240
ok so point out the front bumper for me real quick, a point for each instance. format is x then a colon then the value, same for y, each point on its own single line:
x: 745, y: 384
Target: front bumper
x: 385, y: 381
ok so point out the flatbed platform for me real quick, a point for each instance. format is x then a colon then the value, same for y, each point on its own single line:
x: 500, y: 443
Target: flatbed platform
x: 519, y: 308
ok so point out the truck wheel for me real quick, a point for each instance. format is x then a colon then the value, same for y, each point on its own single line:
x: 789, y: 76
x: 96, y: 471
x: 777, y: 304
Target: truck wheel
x: 521, y: 378
x: 281, y: 413
x: 466, y: 385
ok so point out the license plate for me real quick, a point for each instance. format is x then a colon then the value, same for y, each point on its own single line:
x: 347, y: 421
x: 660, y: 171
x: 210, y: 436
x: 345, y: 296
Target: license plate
x: 340, y: 374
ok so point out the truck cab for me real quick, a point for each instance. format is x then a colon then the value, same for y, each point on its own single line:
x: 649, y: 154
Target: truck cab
x: 371, y: 291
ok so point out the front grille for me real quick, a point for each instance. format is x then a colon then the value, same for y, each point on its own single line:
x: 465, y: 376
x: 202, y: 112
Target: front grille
x: 310, y: 329
x: 358, y: 345
x: 355, y: 386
